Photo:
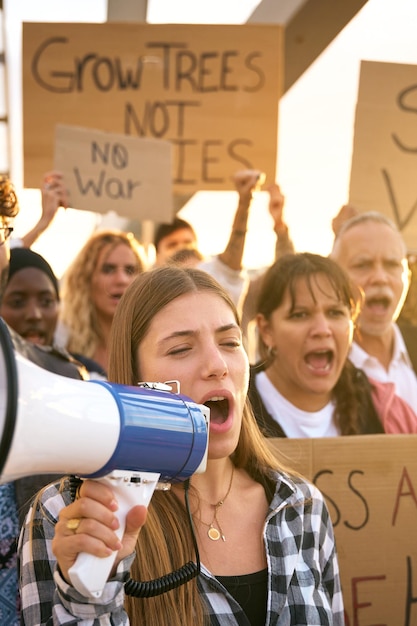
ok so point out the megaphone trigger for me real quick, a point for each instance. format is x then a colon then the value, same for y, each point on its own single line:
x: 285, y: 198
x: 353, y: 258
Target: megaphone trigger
x: 90, y: 573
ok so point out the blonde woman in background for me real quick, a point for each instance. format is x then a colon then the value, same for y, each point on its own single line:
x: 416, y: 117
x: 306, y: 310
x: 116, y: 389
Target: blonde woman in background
x: 91, y: 290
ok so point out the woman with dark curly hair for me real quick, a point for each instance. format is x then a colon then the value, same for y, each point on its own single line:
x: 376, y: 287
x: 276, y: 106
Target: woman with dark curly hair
x: 305, y: 386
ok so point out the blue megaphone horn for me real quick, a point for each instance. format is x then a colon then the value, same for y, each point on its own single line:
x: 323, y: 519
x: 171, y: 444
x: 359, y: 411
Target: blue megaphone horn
x: 133, y: 438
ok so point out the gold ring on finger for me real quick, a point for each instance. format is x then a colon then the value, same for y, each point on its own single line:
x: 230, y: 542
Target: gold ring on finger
x: 73, y: 523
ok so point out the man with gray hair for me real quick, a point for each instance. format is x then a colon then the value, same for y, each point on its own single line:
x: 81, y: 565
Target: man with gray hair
x: 372, y: 251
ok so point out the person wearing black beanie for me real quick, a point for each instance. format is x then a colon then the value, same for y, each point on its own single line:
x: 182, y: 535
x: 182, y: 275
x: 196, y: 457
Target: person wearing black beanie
x: 30, y: 306
x: 31, y: 297
x: 21, y: 258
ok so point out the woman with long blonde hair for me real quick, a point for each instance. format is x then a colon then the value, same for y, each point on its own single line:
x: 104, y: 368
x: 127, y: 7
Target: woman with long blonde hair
x: 263, y: 535
x: 91, y: 289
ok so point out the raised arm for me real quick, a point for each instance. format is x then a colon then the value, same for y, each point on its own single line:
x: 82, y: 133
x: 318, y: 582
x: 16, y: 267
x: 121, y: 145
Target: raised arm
x: 284, y: 244
x: 246, y: 182
x: 54, y: 195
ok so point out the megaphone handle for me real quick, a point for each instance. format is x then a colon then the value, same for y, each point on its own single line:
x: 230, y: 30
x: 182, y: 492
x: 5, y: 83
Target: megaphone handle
x: 89, y: 573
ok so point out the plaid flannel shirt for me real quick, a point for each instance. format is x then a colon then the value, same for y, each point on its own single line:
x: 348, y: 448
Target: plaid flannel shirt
x: 303, y: 576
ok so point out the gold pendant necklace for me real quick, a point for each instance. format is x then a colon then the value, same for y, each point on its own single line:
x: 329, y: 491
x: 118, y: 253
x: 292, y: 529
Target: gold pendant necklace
x: 215, y: 532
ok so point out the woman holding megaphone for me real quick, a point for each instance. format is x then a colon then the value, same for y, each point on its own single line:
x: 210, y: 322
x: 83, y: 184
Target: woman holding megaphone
x: 263, y: 534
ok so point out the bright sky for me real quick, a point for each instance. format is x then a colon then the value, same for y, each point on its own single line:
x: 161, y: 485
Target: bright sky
x: 316, y: 119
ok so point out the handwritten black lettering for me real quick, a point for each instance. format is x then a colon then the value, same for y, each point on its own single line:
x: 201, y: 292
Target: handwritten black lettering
x: 401, y: 222
x: 166, y: 58
x: 360, y: 496
x: 68, y: 77
x: 410, y: 599
x: 116, y: 188
x: 401, y: 101
x: 116, y: 153
x: 257, y: 86
x: 181, y: 107
x: 207, y: 160
x: 106, y: 73
x: 182, y: 69
x: 157, y: 119
x: 185, y: 67
x: 336, y: 515
x: 80, y: 70
x: 226, y: 69
x: 207, y: 153
x: 103, y: 74
x: 206, y: 72
x: 129, y: 77
x: 232, y: 152
x: 113, y: 188
x: 95, y: 186
x: 181, y: 160
x: 119, y: 156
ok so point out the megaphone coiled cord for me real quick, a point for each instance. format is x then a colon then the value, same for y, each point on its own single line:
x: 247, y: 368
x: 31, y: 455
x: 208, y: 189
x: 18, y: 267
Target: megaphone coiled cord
x: 158, y: 586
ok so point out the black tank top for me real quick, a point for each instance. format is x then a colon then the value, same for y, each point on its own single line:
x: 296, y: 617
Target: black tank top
x: 251, y: 592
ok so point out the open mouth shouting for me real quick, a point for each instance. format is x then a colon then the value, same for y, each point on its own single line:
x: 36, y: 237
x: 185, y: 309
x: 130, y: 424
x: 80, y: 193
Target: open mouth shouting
x: 319, y: 361
x: 220, y: 413
x: 35, y: 336
x: 378, y: 305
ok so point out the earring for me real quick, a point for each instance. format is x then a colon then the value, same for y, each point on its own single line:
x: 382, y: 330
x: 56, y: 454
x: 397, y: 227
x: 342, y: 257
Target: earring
x: 271, y: 351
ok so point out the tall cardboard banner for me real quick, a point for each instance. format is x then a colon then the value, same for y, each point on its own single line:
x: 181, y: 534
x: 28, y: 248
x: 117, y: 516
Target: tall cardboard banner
x: 384, y: 162
x: 370, y: 486
x: 212, y: 91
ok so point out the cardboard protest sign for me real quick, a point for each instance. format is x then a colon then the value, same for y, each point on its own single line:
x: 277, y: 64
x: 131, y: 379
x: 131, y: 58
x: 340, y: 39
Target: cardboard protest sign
x: 111, y: 172
x: 212, y: 91
x: 384, y: 162
x: 370, y: 485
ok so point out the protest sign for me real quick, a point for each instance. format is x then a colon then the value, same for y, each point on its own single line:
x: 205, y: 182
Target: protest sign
x: 111, y: 172
x: 212, y: 91
x: 384, y: 162
x: 370, y: 485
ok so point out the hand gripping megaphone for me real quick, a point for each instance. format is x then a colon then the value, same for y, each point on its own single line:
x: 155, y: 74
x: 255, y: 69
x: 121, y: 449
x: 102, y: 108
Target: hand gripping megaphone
x: 132, y: 438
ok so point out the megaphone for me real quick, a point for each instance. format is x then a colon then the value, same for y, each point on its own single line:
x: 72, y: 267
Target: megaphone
x: 133, y: 438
